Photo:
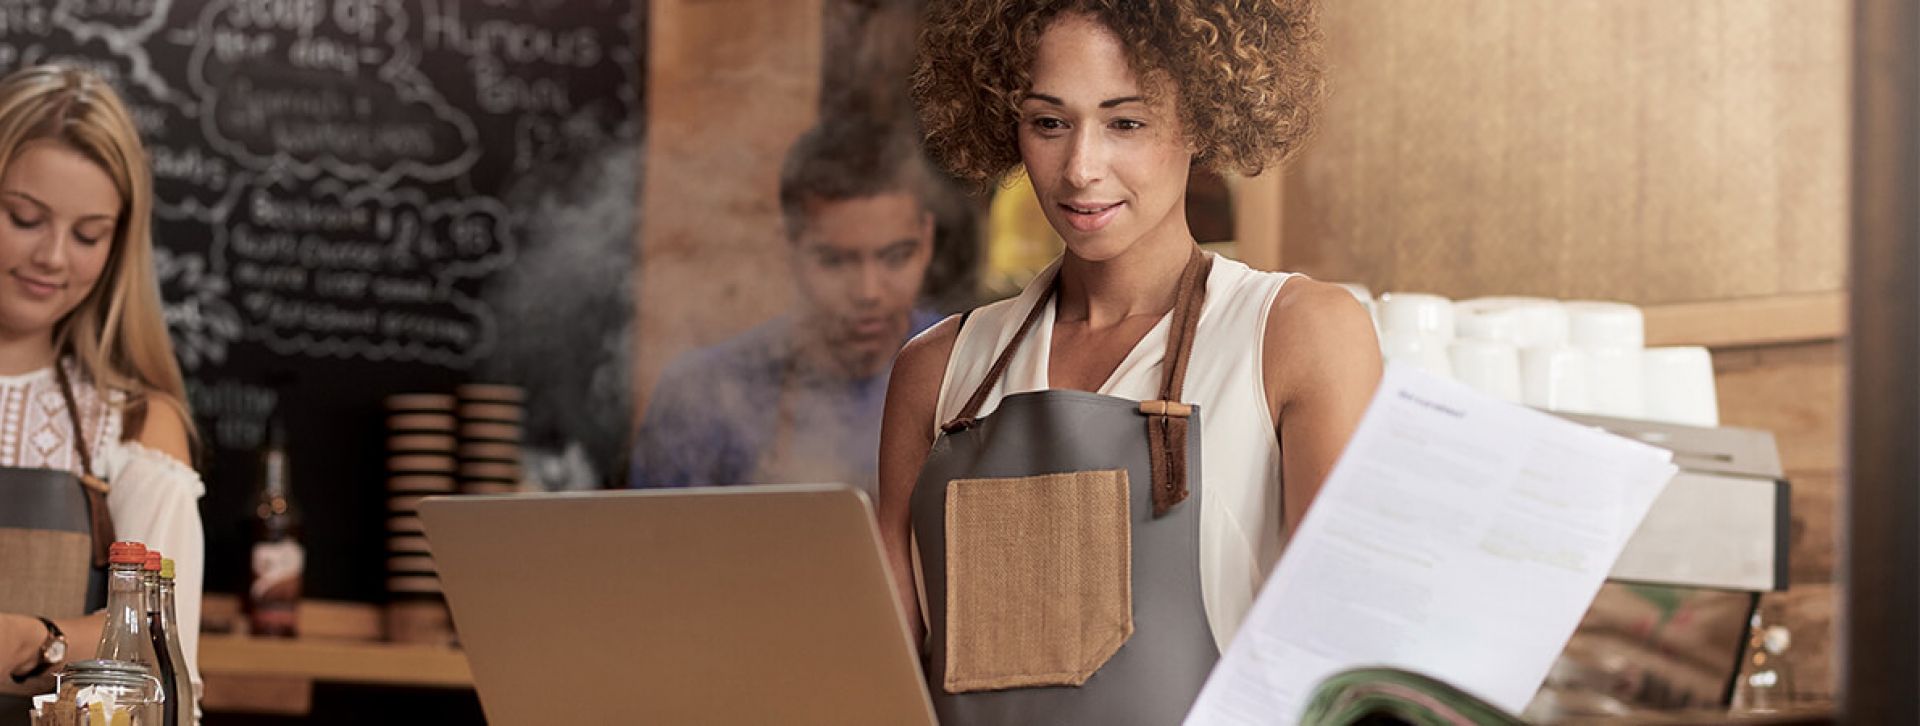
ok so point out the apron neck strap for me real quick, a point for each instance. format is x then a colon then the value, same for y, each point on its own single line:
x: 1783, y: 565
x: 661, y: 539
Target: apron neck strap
x: 1189, y: 297
x: 92, y: 486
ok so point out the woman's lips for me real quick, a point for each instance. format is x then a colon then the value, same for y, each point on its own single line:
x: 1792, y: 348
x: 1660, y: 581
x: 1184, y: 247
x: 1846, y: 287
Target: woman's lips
x: 1091, y: 217
x: 38, y: 288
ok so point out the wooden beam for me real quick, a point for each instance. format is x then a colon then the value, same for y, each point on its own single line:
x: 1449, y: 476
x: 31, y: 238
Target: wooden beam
x: 1749, y: 322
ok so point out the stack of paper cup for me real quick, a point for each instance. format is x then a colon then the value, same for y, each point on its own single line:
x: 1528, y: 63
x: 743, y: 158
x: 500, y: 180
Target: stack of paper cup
x: 1612, y: 335
x: 1680, y: 387
x: 1416, y: 328
x: 420, y: 463
x: 490, y: 431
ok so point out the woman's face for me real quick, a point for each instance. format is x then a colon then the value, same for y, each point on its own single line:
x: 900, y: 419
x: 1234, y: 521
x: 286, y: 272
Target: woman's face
x: 1109, y: 166
x: 60, y: 210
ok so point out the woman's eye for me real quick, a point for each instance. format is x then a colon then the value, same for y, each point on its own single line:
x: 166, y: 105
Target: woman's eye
x: 1049, y: 123
x: 23, y: 222
x: 1127, y: 124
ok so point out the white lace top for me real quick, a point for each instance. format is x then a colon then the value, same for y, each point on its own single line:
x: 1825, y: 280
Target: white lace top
x: 154, y: 497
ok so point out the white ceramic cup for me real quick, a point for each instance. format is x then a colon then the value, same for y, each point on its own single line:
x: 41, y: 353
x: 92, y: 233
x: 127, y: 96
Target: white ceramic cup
x: 1491, y: 366
x: 1679, y: 386
x: 1418, y: 351
x: 1543, y: 322
x: 1594, y: 324
x: 1486, y: 319
x: 1616, y: 381
x: 1555, y: 379
x: 1413, y: 313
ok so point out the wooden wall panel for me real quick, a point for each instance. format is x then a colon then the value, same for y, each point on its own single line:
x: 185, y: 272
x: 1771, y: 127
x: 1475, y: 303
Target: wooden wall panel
x: 1795, y: 391
x: 731, y: 84
x: 1640, y: 150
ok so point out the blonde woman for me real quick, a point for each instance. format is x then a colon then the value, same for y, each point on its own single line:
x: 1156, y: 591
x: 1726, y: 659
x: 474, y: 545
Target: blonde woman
x: 91, y: 397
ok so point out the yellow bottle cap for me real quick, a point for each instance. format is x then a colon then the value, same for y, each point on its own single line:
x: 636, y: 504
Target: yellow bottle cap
x: 166, y: 568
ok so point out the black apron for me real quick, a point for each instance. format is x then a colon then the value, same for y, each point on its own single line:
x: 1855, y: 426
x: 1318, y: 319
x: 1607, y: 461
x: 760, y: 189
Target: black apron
x: 1058, y: 541
x: 54, y: 535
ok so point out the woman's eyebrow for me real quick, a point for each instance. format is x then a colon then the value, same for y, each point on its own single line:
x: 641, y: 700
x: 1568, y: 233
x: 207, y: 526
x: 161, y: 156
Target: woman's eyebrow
x: 23, y: 195
x: 1109, y: 103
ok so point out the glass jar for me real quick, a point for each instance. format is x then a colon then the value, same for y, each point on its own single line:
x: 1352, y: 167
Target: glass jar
x: 97, y: 692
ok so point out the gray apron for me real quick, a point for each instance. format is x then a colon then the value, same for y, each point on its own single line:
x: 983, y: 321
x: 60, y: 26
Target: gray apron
x: 1062, y: 493
x: 54, y: 534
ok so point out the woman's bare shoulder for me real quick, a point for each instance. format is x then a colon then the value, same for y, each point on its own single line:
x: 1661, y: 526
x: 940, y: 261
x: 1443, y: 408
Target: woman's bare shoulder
x: 922, y: 363
x: 1317, y: 333
x: 163, y: 428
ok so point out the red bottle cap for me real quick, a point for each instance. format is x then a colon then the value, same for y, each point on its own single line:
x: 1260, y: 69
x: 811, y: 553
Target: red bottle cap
x: 127, y: 553
x: 153, y: 561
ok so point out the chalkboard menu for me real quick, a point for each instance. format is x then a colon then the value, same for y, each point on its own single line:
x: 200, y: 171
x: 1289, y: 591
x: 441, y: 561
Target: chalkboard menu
x: 363, y: 197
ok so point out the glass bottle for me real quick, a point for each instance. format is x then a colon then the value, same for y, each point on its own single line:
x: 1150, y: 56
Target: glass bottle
x: 180, y: 709
x: 150, y: 580
x: 125, y: 637
x: 273, y: 595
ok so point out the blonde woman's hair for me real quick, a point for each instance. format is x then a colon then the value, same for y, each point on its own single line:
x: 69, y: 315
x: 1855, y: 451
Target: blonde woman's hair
x: 117, y: 334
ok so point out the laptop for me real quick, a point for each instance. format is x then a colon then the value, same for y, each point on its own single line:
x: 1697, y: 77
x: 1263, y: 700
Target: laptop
x: 729, y: 605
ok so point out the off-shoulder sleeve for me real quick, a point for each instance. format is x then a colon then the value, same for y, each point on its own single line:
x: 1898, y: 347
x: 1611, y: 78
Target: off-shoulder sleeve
x: 154, y: 499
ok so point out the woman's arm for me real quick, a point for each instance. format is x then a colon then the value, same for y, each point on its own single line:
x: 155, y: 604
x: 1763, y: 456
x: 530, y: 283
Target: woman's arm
x: 1322, y: 364
x: 906, y: 433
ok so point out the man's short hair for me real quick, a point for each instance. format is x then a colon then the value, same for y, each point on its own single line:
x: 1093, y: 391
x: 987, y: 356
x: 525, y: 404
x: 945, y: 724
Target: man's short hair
x: 842, y: 159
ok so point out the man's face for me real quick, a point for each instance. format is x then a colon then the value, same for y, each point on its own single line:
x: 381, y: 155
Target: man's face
x: 860, y: 264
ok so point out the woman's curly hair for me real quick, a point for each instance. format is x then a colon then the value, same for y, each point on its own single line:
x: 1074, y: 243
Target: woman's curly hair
x: 1247, y: 75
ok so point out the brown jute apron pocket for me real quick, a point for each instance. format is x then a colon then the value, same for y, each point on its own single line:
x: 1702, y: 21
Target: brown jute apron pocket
x: 1039, y: 579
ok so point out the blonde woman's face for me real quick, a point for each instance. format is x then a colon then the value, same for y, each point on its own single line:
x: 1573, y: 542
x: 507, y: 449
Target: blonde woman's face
x: 1109, y: 165
x: 57, y: 226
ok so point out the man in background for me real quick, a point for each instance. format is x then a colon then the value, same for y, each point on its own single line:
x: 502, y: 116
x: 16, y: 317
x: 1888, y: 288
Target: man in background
x: 799, y: 398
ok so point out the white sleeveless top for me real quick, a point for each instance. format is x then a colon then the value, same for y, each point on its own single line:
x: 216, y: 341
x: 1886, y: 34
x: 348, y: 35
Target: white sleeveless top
x: 1240, y: 517
x: 153, y: 497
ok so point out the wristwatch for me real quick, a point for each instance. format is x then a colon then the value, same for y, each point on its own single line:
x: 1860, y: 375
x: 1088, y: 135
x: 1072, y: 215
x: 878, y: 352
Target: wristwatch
x: 52, y: 652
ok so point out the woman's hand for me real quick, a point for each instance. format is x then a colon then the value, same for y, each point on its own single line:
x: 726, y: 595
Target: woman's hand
x: 20, y: 639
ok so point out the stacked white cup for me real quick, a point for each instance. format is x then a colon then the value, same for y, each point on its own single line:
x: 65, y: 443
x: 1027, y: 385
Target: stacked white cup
x: 1578, y: 357
x: 1416, y: 328
x: 1612, y: 335
x: 1484, y: 353
x: 1549, y: 374
x: 1679, y: 386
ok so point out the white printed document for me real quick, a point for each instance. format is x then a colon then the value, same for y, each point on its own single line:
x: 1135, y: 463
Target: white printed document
x: 1459, y: 536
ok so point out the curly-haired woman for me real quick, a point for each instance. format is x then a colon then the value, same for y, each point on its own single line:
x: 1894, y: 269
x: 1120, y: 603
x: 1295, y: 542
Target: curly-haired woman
x: 1078, y: 553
